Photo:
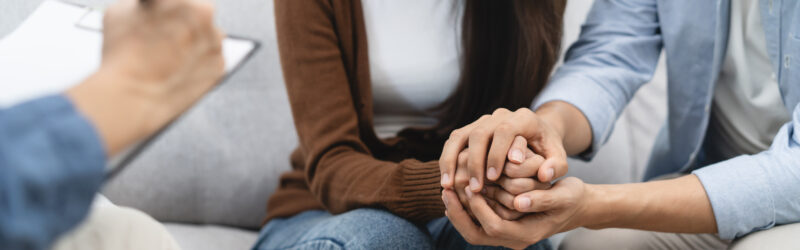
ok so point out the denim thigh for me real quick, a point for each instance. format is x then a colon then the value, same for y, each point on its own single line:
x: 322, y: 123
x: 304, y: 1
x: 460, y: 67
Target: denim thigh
x: 363, y: 228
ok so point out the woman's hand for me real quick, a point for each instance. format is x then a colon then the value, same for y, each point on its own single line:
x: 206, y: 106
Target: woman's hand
x: 559, y: 209
x: 500, y: 196
x: 495, y: 134
x: 504, y: 188
x: 158, y: 59
x: 462, y: 181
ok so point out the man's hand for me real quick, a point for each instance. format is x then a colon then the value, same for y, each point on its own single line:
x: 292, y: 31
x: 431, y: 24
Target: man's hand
x: 559, y: 209
x: 157, y: 61
x: 495, y: 134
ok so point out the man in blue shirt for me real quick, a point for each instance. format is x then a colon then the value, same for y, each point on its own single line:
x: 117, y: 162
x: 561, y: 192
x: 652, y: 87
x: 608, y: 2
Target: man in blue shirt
x: 158, y: 59
x: 732, y: 130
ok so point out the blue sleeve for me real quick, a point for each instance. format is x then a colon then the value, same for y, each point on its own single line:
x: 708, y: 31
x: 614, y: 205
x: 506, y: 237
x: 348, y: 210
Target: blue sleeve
x: 616, y: 53
x: 756, y: 192
x: 51, y: 165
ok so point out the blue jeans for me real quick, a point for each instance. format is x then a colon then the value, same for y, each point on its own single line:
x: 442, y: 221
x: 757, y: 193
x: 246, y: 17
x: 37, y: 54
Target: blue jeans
x: 363, y: 228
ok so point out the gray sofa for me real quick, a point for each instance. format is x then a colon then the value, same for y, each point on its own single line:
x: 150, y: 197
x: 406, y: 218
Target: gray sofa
x: 209, y: 177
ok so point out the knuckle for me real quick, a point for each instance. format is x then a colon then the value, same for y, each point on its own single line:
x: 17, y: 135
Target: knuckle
x: 202, y: 12
x: 501, y: 111
x: 206, y: 10
x: 462, y: 157
x: 461, y: 181
x: 524, y: 110
x: 455, y: 134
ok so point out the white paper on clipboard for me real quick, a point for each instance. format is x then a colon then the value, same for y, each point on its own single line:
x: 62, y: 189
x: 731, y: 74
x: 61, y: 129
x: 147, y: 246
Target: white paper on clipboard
x: 59, y: 46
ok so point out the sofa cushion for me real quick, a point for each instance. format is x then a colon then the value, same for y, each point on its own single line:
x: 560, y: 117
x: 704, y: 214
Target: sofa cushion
x: 200, y: 237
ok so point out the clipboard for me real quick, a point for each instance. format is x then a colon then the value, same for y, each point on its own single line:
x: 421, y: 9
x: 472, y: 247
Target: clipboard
x: 59, y: 45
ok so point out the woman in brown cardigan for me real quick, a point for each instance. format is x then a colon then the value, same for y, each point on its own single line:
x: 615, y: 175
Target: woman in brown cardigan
x: 376, y: 87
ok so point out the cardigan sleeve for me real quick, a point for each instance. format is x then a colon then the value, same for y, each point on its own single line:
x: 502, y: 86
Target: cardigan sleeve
x: 339, y: 168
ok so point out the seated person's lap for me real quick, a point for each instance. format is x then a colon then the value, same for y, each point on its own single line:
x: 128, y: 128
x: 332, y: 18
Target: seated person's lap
x: 357, y: 229
x: 360, y: 229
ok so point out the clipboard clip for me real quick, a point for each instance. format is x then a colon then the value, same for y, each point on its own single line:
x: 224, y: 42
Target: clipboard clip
x: 91, y: 20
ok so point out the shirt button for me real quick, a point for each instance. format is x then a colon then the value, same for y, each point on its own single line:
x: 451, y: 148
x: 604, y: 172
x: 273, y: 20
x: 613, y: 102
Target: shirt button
x: 787, y: 60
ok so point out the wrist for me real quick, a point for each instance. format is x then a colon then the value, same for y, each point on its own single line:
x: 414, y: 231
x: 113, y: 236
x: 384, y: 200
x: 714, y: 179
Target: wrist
x: 549, y: 114
x: 571, y: 125
x: 113, y: 105
x: 594, y: 213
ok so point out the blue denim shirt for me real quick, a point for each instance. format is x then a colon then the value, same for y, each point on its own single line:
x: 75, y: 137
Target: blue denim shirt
x: 617, y: 53
x: 51, y: 166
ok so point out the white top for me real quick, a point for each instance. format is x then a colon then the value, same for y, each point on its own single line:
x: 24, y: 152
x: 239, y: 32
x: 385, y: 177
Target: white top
x: 748, y: 108
x: 414, y: 59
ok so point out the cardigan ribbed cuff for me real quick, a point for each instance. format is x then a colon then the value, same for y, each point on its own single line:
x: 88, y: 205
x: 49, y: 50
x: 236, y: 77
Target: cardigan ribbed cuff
x: 421, y: 193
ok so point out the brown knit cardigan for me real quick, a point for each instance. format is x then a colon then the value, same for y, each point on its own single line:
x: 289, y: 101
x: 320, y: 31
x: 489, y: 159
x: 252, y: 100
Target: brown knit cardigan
x: 340, y: 164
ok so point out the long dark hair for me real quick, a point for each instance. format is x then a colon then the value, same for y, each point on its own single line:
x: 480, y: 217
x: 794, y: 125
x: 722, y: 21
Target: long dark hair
x: 509, y: 50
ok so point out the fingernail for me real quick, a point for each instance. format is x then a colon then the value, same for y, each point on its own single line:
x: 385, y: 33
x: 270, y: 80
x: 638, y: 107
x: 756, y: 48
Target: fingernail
x: 444, y: 199
x: 524, y: 202
x: 491, y: 173
x: 469, y: 192
x: 445, y: 179
x: 516, y: 155
x: 473, y: 184
x: 549, y: 174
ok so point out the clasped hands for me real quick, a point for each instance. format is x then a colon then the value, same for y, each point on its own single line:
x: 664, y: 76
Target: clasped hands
x: 496, y: 175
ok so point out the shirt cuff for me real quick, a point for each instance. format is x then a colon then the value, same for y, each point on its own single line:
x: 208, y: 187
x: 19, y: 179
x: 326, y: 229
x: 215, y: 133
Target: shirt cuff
x: 78, y: 144
x: 740, y: 196
x: 588, y: 97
